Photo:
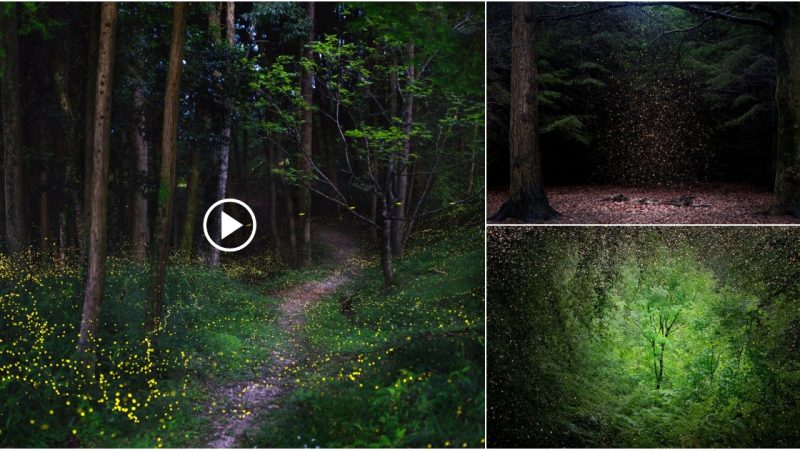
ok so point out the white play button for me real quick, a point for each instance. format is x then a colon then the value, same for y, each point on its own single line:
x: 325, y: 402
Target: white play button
x: 229, y: 225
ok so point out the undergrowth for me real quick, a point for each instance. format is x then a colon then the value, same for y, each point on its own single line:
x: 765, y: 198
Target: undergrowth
x: 396, y: 368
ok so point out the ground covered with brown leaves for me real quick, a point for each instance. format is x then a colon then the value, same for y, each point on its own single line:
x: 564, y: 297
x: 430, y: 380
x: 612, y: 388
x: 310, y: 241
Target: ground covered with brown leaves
x: 706, y: 203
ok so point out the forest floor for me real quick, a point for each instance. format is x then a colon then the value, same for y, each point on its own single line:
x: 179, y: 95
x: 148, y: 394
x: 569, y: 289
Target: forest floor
x: 689, y: 203
x: 256, y: 354
x: 236, y: 405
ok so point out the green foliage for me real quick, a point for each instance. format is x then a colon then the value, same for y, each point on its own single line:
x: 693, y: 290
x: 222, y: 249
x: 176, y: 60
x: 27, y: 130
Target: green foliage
x: 570, y: 128
x: 216, y: 328
x: 577, y: 338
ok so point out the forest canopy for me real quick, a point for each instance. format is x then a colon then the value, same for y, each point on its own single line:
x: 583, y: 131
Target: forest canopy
x: 643, y: 337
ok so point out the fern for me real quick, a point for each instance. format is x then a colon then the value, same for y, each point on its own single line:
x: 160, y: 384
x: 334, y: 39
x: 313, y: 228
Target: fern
x: 569, y: 127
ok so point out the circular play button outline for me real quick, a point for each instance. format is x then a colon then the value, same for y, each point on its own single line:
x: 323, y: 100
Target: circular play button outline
x: 222, y: 202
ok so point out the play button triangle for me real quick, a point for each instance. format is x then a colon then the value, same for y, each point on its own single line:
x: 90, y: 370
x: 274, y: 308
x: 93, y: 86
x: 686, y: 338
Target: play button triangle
x: 229, y: 225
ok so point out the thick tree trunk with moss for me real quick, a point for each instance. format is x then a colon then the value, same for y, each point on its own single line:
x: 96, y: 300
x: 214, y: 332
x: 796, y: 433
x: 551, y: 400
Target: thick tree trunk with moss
x: 166, y: 185
x: 101, y: 142
x: 13, y: 168
x: 787, y: 100
x: 528, y: 200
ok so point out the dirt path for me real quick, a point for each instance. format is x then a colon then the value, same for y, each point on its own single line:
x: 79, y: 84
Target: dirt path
x: 240, y: 403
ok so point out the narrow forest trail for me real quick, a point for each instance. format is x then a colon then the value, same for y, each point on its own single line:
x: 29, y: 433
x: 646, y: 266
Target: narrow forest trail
x: 239, y: 404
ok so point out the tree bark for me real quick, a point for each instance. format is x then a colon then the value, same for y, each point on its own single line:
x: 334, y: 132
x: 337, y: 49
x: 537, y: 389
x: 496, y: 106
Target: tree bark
x: 399, y: 207
x: 290, y: 219
x: 528, y: 200
x: 192, y: 198
x: 140, y: 230
x: 306, y: 137
x: 225, y: 146
x: 166, y: 189
x: 472, y: 163
x: 787, y: 100
x: 101, y: 140
x: 44, y: 201
x: 387, y: 266
x: 245, y: 164
x: 273, y: 198
x: 82, y: 220
x: 68, y: 152
x: 13, y: 164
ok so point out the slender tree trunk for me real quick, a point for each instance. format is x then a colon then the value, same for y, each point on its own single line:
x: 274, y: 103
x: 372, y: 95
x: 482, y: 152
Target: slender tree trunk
x: 225, y: 146
x: 399, y: 207
x: 140, y: 230
x: 528, y: 200
x: 68, y: 152
x: 330, y: 153
x: 166, y: 186
x: 373, y: 216
x: 44, y: 190
x: 306, y: 146
x: 387, y: 266
x: 13, y: 163
x: 192, y: 198
x: 245, y: 160
x: 472, y: 163
x: 273, y: 199
x: 386, y: 245
x: 787, y: 92
x: 101, y: 140
x: 290, y: 219
x: 660, y: 376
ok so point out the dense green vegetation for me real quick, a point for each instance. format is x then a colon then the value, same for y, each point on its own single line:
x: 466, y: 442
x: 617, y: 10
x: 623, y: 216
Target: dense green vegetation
x: 218, y: 327
x: 411, y: 357
x: 632, y: 337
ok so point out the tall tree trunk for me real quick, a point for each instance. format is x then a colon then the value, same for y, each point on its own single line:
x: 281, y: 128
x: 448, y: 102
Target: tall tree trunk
x: 245, y: 164
x: 192, y: 198
x: 472, y: 162
x: 225, y: 146
x: 273, y: 198
x: 166, y: 185
x: 660, y: 376
x: 399, y: 207
x: 787, y: 100
x: 140, y: 230
x: 101, y: 140
x: 387, y: 266
x: 330, y: 153
x: 13, y: 164
x: 373, y: 216
x: 306, y: 137
x: 82, y: 220
x: 528, y: 200
x: 44, y: 190
x: 290, y: 219
x: 68, y: 152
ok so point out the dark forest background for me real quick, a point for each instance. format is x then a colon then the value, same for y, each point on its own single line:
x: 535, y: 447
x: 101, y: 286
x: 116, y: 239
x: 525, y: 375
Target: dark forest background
x: 640, y: 95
